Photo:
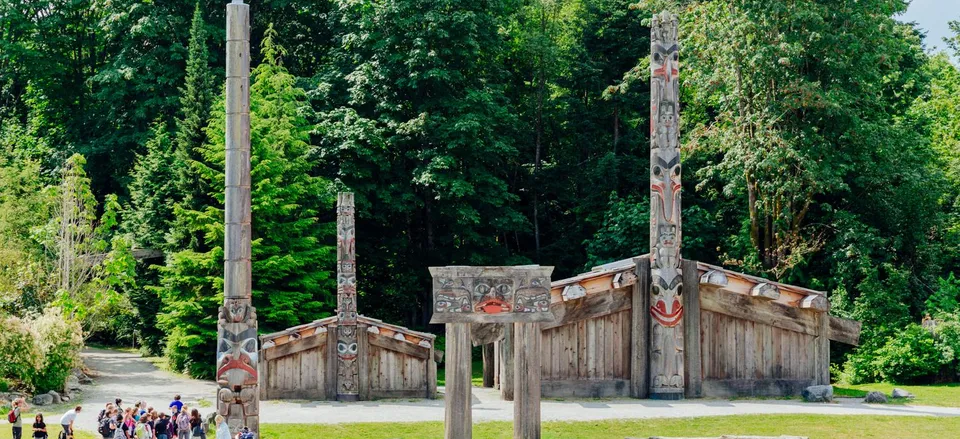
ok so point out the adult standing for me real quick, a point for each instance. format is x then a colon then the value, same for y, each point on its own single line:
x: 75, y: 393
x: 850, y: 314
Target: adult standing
x: 19, y: 405
x: 108, y: 425
x: 66, y: 421
x: 39, y: 427
x: 223, y: 431
x: 162, y: 427
x: 197, y: 429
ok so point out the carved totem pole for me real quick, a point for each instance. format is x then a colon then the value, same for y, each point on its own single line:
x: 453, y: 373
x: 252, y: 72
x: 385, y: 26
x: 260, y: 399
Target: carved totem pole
x: 238, y: 397
x: 348, y: 369
x: 666, y: 288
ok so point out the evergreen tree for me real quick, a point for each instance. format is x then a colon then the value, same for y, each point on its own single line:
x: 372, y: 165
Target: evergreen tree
x: 150, y: 211
x: 292, y: 255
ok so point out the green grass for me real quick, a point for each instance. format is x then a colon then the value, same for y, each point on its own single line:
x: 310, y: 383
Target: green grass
x: 476, y: 377
x: 941, y: 395
x: 815, y: 427
x: 53, y: 427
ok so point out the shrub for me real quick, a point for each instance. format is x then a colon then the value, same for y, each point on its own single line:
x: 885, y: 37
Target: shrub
x: 20, y: 356
x: 60, y: 340
x: 911, y: 357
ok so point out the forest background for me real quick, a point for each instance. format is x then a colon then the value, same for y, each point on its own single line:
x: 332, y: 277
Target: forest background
x: 821, y: 142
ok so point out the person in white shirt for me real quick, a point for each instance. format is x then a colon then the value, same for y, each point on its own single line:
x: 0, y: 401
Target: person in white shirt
x: 66, y: 421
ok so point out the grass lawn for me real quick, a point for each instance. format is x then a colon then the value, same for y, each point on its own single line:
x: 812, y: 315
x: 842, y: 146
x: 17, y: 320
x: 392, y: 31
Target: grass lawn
x: 941, y: 395
x: 476, y: 376
x: 53, y: 426
x: 815, y: 427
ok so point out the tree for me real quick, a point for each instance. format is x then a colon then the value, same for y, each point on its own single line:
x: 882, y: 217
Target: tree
x: 292, y: 256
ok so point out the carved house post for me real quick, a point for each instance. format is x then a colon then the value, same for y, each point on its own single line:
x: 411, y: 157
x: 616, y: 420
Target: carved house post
x: 348, y: 388
x: 238, y: 397
x: 666, y: 280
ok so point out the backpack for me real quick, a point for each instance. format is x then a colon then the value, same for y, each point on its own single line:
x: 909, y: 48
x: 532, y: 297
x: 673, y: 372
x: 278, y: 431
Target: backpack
x: 141, y: 430
x: 104, y: 428
x: 12, y: 416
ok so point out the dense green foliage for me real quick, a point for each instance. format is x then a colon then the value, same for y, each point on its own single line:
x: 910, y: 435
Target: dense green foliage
x: 821, y: 142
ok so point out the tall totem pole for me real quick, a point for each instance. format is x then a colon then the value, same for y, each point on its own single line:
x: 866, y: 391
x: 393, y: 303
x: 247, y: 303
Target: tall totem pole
x: 666, y: 288
x: 347, y: 367
x: 238, y: 397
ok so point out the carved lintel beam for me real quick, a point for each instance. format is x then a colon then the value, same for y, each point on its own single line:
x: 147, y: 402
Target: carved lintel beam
x: 765, y: 291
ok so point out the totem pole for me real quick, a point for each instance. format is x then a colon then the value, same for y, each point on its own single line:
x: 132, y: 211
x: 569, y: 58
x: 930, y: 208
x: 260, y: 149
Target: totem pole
x: 347, y: 367
x: 238, y: 397
x: 666, y: 288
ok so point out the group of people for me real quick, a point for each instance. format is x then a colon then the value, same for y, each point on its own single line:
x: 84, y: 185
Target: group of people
x: 137, y: 422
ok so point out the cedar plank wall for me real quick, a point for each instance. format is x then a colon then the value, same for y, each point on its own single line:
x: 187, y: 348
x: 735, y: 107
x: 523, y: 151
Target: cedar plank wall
x: 588, y: 358
x: 745, y: 358
x: 298, y: 373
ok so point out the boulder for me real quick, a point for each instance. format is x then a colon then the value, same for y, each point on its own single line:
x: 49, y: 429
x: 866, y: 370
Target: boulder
x: 818, y: 394
x: 900, y: 393
x: 875, y: 398
x: 65, y: 398
x: 73, y: 382
x: 56, y: 396
x: 43, y: 399
x: 85, y: 380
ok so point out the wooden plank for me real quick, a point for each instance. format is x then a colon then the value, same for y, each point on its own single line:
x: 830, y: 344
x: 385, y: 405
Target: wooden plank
x: 488, y: 365
x: 607, y: 346
x: 331, y: 364
x: 581, y: 349
x: 363, y: 360
x: 526, y: 405
x: 754, y: 388
x: 706, y: 349
x: 431, y: 374
x: 845, y: 331
x: 303, y: 344
x: 821, y: 350
x: 757, y: 310
x: 693, y: 369
x: 506, y: 355
x: 639, y: 335
x: 496, y: 365
x: 458, y: 419
x: 402, y: 347
x: 486, y: 333
x: 262, y: 377
x: 585, y: 388
x: 589, y: 307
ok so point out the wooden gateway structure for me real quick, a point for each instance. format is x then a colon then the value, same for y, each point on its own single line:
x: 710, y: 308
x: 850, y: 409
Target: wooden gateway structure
x: 662, y: 327
x: 347, y: 357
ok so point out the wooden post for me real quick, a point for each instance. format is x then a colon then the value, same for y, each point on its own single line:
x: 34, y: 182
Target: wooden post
x: 363, y: 360
x: 526, y: 405
x: 506, y: 367
x: 691, y: 330
x: 330, y: 371
x: 639, y: 330
x: 348, y: 370
x: 457, y: 418
x: 497, y: 348
x: 666, y: 279
x: 432, y: 372
x: 821, y: 349
x: 488, y: 365
x: 238, y: 399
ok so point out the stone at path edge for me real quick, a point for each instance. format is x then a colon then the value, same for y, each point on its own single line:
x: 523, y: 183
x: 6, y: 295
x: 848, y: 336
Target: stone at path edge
x: 900, y: 393
x: 875, y: 398
x: 818, y: 393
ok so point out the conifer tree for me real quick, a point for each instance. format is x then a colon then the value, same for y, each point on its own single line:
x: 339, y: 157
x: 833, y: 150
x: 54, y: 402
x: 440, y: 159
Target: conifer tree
x: 292, y: 253
x: 150, y: 212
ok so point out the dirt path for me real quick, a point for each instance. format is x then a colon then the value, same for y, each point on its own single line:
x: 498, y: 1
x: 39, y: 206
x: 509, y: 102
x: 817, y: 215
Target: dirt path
x: 133, y: 378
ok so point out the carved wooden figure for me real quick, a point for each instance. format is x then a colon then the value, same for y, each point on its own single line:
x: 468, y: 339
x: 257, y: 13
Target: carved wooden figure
x: 347, y: 341
x: 237, y: 353
x: 666, y: 285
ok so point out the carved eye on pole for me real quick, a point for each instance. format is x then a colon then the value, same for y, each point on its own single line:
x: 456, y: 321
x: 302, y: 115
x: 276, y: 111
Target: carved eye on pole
x: 657, y: 171
x: 657, y: 58
x: 679, y: 290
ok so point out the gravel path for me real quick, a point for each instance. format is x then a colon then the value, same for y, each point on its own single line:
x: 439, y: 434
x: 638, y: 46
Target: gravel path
x: 133, y: 378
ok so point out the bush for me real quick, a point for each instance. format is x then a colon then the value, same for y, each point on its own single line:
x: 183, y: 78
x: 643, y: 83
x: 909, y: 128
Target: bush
x: 20, y: 356
x: 914, y: 356
x: 60, y: 340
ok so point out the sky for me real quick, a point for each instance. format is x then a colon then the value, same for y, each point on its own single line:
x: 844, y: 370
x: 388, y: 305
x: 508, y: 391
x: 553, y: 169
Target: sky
x: 932, y: 16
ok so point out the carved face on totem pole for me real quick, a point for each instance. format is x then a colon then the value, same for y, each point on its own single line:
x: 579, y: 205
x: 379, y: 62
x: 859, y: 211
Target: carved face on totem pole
x: 237, y: 357
x: 493, y: 295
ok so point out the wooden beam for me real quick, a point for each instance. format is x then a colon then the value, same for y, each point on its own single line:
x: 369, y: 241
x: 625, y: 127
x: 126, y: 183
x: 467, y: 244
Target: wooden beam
x: 526, y: 390
x: 432, y: 373
x: 486, y: 333
x: 474, y: 318
x: 363, y: 358
x: 457, y: 418
x: 757, y: 310
x: 815, y: 303
x: 714, y: 277
x: 821, y: 350
x: 577, y: 388
x: 437, y: 355
x: 402, y: 347
x: 488, y: 367
x: 845, y: 331
x: 754, y: 387
x: 330, y: 374
x: 693, y: 373
x: 589, y: 307
x: 573, y: 291
x: 303, y: 344
x: 507, y: 363
x: 765, y: 291
x: 639, y: 334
